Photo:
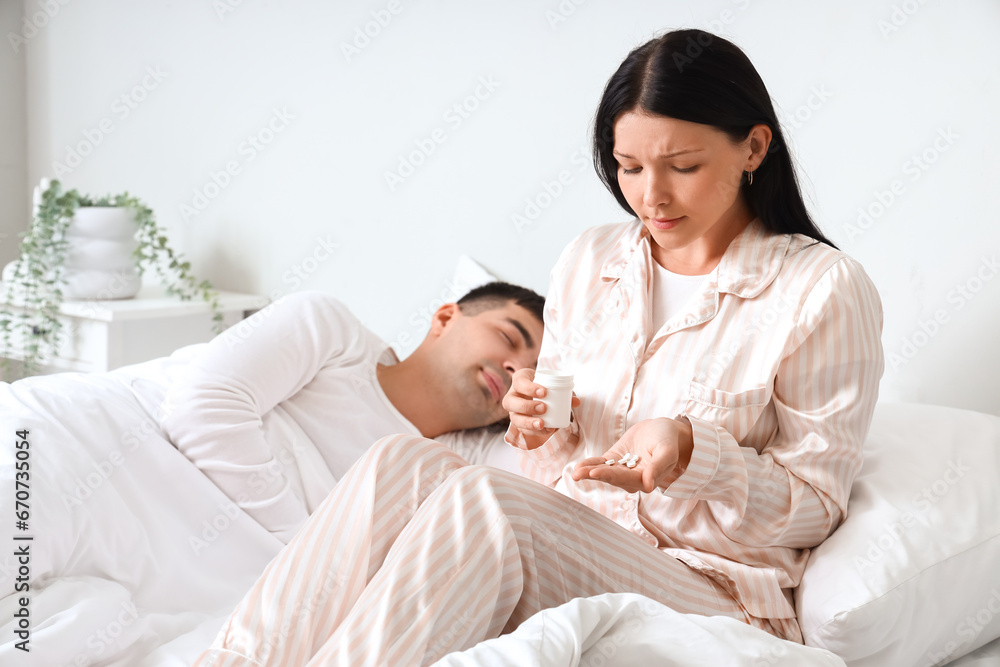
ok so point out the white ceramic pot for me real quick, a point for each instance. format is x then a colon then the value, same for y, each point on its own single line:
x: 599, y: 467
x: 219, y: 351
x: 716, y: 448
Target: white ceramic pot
x: 99, y: 258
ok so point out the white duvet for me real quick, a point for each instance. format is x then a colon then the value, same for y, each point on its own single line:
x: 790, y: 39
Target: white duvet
x: 136, y: 558
x: 627, y: 629
x: 133, y: 546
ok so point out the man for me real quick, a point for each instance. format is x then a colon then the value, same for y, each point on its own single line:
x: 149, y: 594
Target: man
x: 130, y: 540
x: 276, y: 415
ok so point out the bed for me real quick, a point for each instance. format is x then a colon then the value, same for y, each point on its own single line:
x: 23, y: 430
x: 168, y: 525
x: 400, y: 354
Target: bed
x: 136, y: 558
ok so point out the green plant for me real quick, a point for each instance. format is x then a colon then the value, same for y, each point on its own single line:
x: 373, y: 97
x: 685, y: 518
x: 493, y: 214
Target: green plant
x: 36, y: 283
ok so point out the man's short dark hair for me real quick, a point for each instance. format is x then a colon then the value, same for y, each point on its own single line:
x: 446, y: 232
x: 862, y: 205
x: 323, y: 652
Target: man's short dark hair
x: 497, y: 295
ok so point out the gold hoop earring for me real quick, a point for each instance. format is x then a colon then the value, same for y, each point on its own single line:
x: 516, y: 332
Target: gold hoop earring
x: 750, y: 177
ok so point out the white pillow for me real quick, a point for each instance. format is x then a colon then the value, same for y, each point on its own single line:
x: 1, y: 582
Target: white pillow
x: 912, y: 577
x: 469, y: 274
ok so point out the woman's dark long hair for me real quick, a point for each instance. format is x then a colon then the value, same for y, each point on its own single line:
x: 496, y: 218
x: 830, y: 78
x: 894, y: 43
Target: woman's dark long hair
x: 696, y: 76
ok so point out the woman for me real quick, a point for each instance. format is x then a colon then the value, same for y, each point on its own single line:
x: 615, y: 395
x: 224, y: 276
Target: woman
x: 718, y: 336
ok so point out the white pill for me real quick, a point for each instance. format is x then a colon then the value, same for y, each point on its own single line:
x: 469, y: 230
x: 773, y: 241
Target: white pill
x: 610, y: 462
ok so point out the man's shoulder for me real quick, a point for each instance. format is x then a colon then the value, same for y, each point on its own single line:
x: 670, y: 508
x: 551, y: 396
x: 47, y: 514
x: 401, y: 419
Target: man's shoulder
x: 328, y: 318
x: 315, y: 304
x: 310, y: 297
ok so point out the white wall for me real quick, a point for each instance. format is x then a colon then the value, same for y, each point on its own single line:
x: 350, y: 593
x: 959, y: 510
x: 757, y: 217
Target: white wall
x: 863, y: 102
x: 14, y: 196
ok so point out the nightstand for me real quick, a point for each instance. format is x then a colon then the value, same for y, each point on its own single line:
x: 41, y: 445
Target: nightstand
x: 103, y: 335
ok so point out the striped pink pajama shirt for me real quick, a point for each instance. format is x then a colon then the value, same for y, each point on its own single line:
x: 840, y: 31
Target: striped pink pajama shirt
x: 775, y: 361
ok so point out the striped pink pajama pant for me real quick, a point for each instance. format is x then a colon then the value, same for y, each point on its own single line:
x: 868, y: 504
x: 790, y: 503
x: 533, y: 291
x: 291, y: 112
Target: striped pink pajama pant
x: 416, y: 553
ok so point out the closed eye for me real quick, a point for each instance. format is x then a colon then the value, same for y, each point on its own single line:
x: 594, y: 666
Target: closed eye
x: 679, y: 170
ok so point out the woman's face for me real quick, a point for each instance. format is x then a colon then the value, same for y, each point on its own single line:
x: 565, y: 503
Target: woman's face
x: 682, y: 179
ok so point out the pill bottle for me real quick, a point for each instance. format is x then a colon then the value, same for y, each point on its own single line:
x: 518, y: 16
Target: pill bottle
x: 558, y: 397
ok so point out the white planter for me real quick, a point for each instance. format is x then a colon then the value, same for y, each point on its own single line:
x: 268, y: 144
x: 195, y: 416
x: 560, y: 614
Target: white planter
x: 99, y: 260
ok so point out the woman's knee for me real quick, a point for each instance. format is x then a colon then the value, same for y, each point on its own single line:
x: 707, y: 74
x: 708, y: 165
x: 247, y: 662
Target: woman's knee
x: 501, y: 484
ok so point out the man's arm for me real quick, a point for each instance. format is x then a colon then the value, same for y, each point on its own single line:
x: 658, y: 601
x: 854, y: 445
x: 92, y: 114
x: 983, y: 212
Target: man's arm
x: 214, y: 410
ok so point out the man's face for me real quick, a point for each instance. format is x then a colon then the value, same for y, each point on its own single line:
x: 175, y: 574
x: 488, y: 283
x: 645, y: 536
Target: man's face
x: 478, y: 354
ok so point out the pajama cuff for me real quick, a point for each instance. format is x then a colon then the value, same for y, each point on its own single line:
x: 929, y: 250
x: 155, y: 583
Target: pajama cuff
x: 556, y: 450
x: 704, y: 463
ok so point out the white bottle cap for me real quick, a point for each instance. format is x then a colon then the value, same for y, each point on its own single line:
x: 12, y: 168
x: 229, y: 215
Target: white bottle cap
x: 554, y: 379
